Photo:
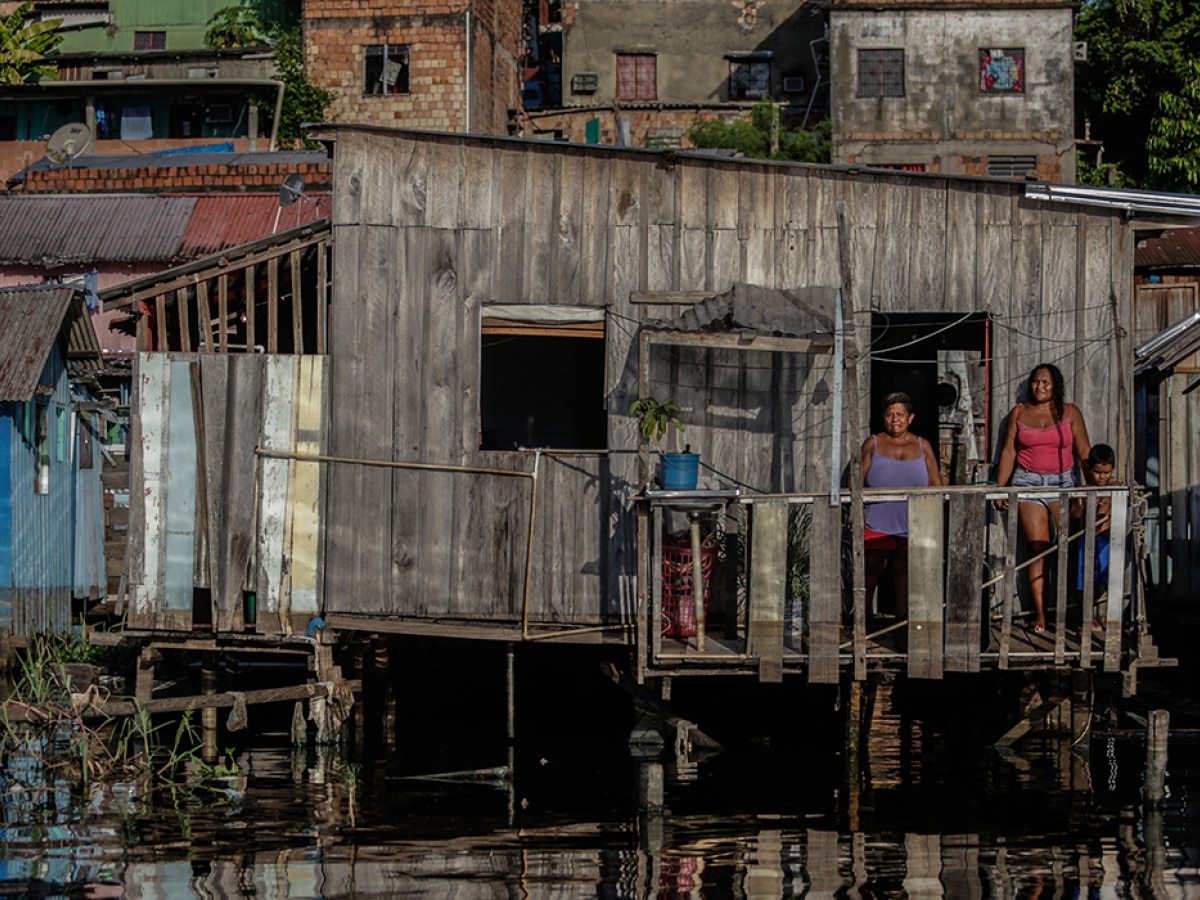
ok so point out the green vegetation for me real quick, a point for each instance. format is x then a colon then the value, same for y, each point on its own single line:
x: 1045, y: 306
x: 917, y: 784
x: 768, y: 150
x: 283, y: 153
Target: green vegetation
x: 52, y: 739
x: 655, y: 417
x: 247, y: 26
x: 1139, y: 89
x: 24, y: 48
x: 762, y: 136
x: 303, y: 102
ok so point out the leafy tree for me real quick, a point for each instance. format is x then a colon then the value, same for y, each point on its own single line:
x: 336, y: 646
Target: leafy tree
x: 1174, y: 141
x: 1138, y: 52
x: 24, y: 48
x: 303, y: 101
x: 235, y: 26
x: 762, y: 136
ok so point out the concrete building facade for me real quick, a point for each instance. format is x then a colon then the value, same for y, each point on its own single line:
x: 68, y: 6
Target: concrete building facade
x: 962, y: 88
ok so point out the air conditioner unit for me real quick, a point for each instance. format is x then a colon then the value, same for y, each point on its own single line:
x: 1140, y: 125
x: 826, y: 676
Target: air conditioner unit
x: 794, y: 85
x: 219, y: 114
x: 1079, y: 49
x: 585, y: 82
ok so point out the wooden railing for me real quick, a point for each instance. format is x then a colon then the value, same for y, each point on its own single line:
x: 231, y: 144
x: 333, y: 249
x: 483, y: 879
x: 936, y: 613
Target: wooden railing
x: 785, y: 596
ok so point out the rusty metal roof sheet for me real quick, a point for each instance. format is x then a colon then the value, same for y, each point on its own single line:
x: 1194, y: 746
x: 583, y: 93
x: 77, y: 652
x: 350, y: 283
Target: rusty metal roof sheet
x: 1178, y: 247
x: 56, y: 229
x: 31, y: 319
x: 227, y: 220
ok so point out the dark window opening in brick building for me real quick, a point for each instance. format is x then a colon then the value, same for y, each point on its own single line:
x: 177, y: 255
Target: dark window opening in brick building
x: 386, y: 69
x: 149, y: 40
x: 1002, y: 71
x: 881, y: 73
x: 637, y: 76
x: 749, y: 79
x: 1012, y: 166
x: 542, y: 385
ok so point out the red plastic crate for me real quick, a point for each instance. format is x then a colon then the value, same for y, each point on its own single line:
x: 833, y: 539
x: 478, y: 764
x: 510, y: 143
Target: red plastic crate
x: 678, y: 596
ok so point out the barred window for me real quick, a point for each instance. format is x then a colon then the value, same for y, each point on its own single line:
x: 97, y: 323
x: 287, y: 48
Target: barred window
x: 386, y: 69
x: 881, y: 73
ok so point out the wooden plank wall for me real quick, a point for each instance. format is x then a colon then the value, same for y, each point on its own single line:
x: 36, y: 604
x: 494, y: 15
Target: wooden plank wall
x: 429, y: 227
x: 215, y: 520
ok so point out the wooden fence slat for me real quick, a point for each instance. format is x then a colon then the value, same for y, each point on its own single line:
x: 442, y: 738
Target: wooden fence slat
x: 1009, y: 584
x: 768, y: 577
x: 926, y: 586
x: 322, y: 252
x: 244, y: 398
x: 824, y: 593
x: 297, y: 304
x: 965, y: 615
x: 223, y: 312
x: 1064, y: 576
x: 273, y: 305
x: 1114, y: 608
x: 160, y: 317
x: 1088, y: 612
x: 250, y: 309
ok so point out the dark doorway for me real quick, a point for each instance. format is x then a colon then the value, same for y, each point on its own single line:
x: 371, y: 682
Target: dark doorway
x: 942, y: 361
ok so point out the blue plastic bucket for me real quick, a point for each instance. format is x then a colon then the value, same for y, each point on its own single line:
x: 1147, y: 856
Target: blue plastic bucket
x: 679, y: 471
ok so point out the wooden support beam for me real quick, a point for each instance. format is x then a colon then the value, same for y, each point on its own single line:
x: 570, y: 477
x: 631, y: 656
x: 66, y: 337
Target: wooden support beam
x: 322, y: 296
x: 223, y: 312
x: 1009, y: 585
x: 647, y: 701
x: 185, y: 326
x: 1064, y: 576
x: 160, y: 318
x: 250, y: 308
x: 824, y: 593
x: 205, y: 316
x: 273, y: 305
x: 965, y: 614
x: 297, y: 304
x: 1088, y: 613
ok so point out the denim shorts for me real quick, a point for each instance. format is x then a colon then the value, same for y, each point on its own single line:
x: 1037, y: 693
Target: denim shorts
x: 1024, y: 478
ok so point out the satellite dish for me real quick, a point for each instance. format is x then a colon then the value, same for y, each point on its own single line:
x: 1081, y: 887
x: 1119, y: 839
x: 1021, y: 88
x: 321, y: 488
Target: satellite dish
x: 72, y: 140
x: 291, y: 189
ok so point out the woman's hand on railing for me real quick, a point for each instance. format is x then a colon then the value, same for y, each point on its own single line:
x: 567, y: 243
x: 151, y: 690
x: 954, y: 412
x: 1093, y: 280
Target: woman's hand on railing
x: 1001, y: 503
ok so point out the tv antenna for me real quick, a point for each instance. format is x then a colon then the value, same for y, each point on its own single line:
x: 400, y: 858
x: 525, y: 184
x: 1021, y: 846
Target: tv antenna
x: 71, y: 140
x: 292, y: 190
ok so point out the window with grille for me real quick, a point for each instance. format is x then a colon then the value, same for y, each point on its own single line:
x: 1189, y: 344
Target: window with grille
x: 1011, y: 166
x: 749, y: 79
x: 386, y: 69
x: 149, y: 40
x: 637, y: 76
x: 881, y: 73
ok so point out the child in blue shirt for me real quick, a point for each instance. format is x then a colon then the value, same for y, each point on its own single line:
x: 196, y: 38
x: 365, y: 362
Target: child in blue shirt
x: 1102, y: 468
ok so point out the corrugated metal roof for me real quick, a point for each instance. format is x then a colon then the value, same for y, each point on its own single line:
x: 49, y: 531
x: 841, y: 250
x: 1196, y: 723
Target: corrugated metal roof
x: 55, y: 229
x: 1177, y: 247
x: 30, y: 320
x: 228, y: 220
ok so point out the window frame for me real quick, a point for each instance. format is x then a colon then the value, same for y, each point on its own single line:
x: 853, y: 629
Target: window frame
x: 748, y: 64
x: 507, y: 322
x: 883, y: 78
x: 640, y: 61
x: 155, y: 40
x: 373, y: 73
x: 986, y: 59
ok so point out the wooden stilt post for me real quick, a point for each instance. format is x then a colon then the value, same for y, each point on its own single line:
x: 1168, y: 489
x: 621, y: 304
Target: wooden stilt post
x: 854, y: 749
x: 1154, y: 784
x: 209, y: 678
x: 144, y: 685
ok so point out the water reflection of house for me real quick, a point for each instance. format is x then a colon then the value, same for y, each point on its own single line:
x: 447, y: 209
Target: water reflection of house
x: 51, y: 431
x: 434, y: 470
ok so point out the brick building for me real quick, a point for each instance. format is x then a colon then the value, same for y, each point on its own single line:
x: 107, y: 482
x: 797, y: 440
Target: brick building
x: 955, y: 86
x: 453, y: 65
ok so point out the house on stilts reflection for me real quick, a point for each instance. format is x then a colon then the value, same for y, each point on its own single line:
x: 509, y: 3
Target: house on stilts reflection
x: 437, y: 440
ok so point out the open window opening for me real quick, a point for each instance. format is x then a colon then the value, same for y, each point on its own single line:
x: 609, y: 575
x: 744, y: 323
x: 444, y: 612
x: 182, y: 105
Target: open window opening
x: 542, y: 383
x: 942, y: 361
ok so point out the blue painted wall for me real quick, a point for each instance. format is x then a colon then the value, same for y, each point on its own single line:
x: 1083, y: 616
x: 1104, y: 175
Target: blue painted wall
x: 37, y: 530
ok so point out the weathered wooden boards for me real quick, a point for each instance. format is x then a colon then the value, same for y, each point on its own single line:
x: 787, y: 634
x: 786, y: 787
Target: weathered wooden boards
x: 214, y: 522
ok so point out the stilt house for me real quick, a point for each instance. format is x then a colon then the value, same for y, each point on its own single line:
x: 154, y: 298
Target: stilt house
x: 459, y: 460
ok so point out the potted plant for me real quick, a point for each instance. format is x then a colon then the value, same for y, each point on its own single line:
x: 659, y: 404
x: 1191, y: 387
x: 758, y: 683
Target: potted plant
x: 678, y: 471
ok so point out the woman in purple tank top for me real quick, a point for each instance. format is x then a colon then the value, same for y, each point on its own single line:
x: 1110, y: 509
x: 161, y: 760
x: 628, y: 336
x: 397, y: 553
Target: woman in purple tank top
x: 894, y: 458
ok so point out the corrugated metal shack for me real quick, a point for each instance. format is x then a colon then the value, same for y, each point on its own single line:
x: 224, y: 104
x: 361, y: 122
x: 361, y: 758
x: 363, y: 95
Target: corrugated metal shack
x: 497, y: 307
x: 51, y: 513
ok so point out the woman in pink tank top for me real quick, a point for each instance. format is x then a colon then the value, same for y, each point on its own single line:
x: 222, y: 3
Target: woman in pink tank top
x: 1042, y: 440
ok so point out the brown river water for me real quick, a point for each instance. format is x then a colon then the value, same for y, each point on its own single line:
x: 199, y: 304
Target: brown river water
x: 927, y: 809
